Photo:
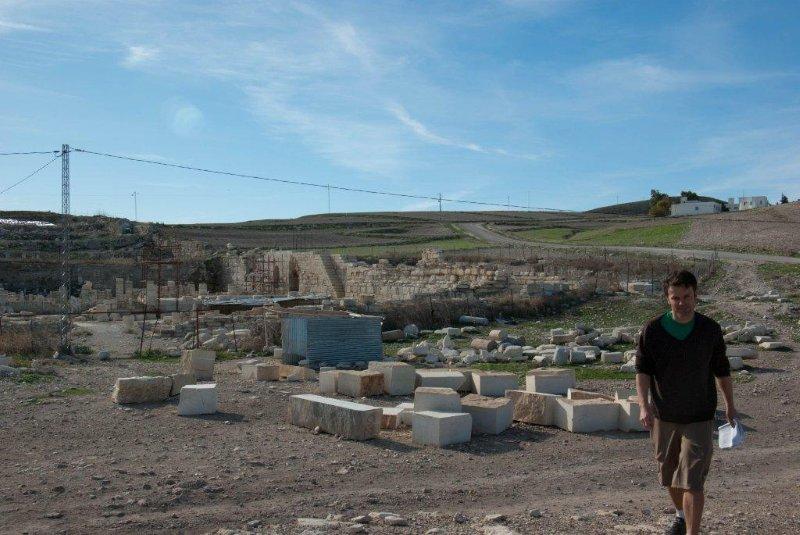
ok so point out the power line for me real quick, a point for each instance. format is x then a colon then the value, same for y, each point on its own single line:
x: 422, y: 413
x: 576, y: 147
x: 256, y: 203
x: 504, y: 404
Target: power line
x: 312, y: 184
x: 30, y: 152
x: 15, y: 184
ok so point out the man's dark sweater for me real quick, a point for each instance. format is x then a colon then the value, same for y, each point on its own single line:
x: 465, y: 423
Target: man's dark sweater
x: 683, y: 371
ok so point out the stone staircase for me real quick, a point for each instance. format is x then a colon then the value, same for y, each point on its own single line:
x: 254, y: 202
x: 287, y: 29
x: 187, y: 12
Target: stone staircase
x: 333, y: 274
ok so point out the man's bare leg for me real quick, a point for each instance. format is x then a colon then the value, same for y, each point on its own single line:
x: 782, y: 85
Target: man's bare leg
x: 677, y: 497
x: 693, y: 501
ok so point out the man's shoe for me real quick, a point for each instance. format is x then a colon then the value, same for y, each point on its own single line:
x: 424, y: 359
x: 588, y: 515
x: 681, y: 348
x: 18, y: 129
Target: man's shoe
x: 678, y: 527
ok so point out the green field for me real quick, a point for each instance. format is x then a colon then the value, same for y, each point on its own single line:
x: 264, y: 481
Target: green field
x: 772, y: 271
x: 666, y: 235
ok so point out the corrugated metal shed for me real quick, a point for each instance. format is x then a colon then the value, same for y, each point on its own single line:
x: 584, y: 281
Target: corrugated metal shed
x: 328, y: 338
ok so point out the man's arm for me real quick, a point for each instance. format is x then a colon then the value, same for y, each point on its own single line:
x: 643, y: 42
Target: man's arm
x: 643, y: 391
x: 726, y: 385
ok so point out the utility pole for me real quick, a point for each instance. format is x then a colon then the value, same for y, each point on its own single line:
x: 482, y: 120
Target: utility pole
x: 440, y: 202
x: 135, y: 206
x: 64, y: 347
x: 329, y: 198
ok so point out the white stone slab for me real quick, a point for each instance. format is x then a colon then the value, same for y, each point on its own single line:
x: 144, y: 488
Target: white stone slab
x: 441, y: 428
x: 490, y: 415
x: 440, y: 378
x: 611, y: 357
x: 261, y: 372
x: 533, y: 407
x: 586, y: 415
x: 436, y: 399
x: 399, y: 378
x: 200, y: 362
x: 577, y: 357
x: 198, y: 399
x: 179, y: 380
x: 357, y: 384
x: 144, y: 389
x: 494, y: 384
x: 550, y: 381
x: 406, y: 413
x: 628, y: 416
x: 350, y: 420
x: 327, y: 381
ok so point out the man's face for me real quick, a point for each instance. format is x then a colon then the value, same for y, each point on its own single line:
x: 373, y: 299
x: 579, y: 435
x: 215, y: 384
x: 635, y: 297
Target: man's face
x: 682, y: 301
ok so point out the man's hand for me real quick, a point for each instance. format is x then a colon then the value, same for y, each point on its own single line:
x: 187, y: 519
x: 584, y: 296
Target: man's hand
x: 646, y: 416
x: 730, y: 414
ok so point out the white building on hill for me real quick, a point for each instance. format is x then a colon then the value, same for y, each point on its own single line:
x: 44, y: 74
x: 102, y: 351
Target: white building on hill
x: 748, y: 203
x: 686, y: 207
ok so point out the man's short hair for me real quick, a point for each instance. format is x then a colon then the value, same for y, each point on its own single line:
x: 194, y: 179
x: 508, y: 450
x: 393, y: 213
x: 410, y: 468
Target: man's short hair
x: 680, y: 278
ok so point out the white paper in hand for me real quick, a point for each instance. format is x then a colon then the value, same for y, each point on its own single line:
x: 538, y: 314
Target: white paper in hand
x: 731, y: 436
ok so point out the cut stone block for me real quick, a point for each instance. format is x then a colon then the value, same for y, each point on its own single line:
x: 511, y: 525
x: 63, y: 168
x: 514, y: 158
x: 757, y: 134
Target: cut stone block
x: 473, y: 320
x: 611, y: 357
x: 441, y: 428
x: 198, y: 399
x: 436, y: 399
x: 354, y: 421
x: 494, y: 384
x: 550, y: 381
x: 736, y: 363
x: 741, y: 351
x: 628, y: 417
x: 575, y: 393
x: 200, y: 362
x: 406, y: 413
x: 497, y: 335
x: 144, y: 389
x: 490, y: 416
x: 358, y: 384
x: 624, y: 393
x: 399, y: 378
x: 261, y: 372
x: 533, y: 407
x: 772, y: 346
x: 560, y: 356
x: 440, y: 378
x: 390, y: 418
x: 586, y: 415
x: 483, y: 343
x: 297, y: 373
x: 577, y: 357
x: 327, y: 381
x: 392, y: 336
x: 179, y: 380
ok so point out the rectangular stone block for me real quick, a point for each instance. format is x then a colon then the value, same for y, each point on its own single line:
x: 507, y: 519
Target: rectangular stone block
x: 494, y: 384
x: 441, y: 428
x: 296, y: 373
x: 390, y: 418
x: 575, y: 393
x: 354, y: 421
x: 741, y: 351
x: 399, y: 378
x: 357, y: 384
x: 490, y: 415
x: 200, y: 362
x: 261, y: 372
x: 198, y: 399
x: 440, y: 379
x: 327, y: 381
x: 586, y: 415
x: 628, y: 416
x: 406, y: 413
x: 436, y: 399
x: 550, y: 381
x: 144, y: 389
x: 533, y: 407
x: 611, y: 357
x: 179, y: 380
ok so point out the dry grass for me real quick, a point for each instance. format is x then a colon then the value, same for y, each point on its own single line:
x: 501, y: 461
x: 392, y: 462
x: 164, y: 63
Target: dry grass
x: 28, y: 341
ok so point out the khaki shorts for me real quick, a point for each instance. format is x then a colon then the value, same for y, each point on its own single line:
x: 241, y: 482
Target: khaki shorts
x: 683, y: 452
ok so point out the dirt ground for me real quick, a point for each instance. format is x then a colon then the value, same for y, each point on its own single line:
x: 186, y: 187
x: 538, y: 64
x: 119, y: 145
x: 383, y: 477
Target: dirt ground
x: 74, y: 462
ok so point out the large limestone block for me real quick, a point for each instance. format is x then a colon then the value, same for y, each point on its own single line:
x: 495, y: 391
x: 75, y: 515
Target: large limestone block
x: 391, y: 418
x: 628, y: 416
x: 773, y: 346
x: 200, y: 362
x: 611, y: 357
x: 440, y: 378
x: 483, y: 343
x: 494, y: 384
x: 406, y: 413
x: 736, y: 363
x: 393, y: 336
x: 198, y: 399
x: 490, y: 415
x: 261, y: 372
x: 296, y: 373
x: 441, y: 428
x: 533, y: 407
x: 560, y: 356
x: 327, y: 381
x: 741, y: 351
x: 497, y: 334
x: 144, y: 389
x: 586, y: 415
x: 399, y: 378
x: 358, y: 384
x: 353, y: 421
x: 550, y: 381
x: 179, y: 380
x: 436, y: 399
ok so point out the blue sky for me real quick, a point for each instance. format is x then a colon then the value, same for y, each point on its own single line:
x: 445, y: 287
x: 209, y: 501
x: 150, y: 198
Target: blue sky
x: 561, y: 104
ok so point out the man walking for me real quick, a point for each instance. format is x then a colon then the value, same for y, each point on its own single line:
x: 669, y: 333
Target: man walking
x: 679, y: 355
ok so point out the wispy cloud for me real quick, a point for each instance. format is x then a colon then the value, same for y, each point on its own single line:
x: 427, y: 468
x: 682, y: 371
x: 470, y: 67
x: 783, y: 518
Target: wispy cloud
x: 138, y: 55
x: 186, y: 120
x: 424, y: 133
x: 10, y: 26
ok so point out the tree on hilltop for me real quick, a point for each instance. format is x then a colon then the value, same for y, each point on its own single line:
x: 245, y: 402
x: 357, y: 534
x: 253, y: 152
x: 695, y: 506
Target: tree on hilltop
x: 690, y: 195
x: 784, y: 198
x: 659, y: 204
